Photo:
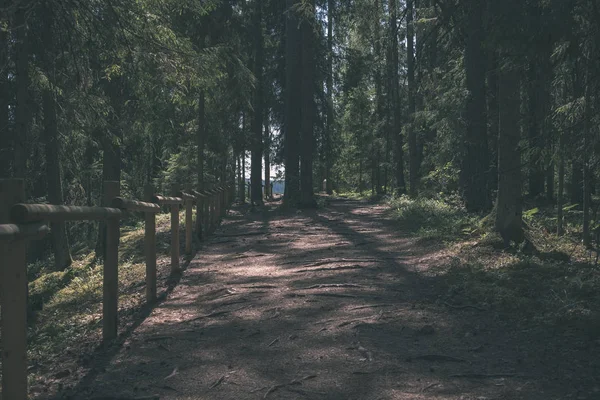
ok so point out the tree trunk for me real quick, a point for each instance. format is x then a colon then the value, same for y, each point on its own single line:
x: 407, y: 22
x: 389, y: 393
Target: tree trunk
x: 550, y: 182
x: 576, y: 187
x: 200, y: 143
x: 307, y: 197
x: 587, y: 173
x: 60, y: 241
x: 22, y: 112
x: 111, y: 145
x: 244, y: 193
x: 111, y: 171
x: 329, y: 86
x: 475, y: 163
x: 561, y: 186
x: 292, y: 119
x: 412, y: 135
x: 267, y: 152
x: 5, y: 96
x: 257, y: 118
x: 536, y: 135
x: 508, y: 206
x: 395, y: 100
x: 493, y: 118
x: 379, y: 104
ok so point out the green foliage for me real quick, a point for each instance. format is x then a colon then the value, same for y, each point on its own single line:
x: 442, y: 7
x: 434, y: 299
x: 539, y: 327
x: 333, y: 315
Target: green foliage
x: 426, y: 218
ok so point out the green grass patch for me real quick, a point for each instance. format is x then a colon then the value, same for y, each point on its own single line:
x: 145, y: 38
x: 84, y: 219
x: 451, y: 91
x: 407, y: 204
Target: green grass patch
x: 528, y: 289
x: 433, y: 218
x: 68, y: 304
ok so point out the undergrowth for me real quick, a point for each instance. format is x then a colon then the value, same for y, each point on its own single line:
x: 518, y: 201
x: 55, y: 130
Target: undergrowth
x: 428, y: 218
x: 65, y: 307
x: 556, y: 284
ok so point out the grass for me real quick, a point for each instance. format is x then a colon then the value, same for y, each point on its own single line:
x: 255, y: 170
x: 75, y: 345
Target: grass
x: 67, y: 305
x: 433, y: 219
x: 556, y: 285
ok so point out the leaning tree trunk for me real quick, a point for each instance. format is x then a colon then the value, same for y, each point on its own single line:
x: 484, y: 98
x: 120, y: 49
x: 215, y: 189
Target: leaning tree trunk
x: 60, y: 241
x: 508, y: 206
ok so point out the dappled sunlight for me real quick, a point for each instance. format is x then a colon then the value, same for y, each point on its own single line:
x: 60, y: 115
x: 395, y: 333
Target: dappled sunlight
x: 260, y: 316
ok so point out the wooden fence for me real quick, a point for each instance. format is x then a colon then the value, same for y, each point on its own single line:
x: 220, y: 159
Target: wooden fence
x: 20, y: 223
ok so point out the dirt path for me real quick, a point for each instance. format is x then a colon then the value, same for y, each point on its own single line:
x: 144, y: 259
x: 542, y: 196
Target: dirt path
x: 326, y: 304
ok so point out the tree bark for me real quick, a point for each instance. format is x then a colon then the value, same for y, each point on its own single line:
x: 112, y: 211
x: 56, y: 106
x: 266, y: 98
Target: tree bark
x: 475, y: 163
x: 561, y: 186
x: 22, y: 111
x: 60, y: 241
x: 5, y: 96
x: 111, y: 145
x: 536, y: 134
x: 330, y: 110
x: 257, y: 118
x: 412, y: 135
x: 576, y: 184
x: 493, y: 117
x: 508, y: 206
x: 587, y: 173
x: 292, y: 95
x: 200, y: 144
x: 395, y: 100
x: 307, y: 197
x: 267, y: 152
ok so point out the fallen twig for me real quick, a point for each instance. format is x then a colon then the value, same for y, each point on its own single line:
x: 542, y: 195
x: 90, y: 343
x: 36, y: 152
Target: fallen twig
x: 243, y: 234
x: 426, y: 388
x: 151, y: 397
x: 217, y: 382
x: 172, y: 374
x: 273, y: 342
x: 292, y: 382
x: 213, y: 314
x: 155, y: 338
x: 328, y: 269
x: 371, y: 306
x: 462, y: 307
x: 334, y: 295
x: 216, y: 314
x: 437, y: 357
x: 482, y: 376
x: 331, y: 285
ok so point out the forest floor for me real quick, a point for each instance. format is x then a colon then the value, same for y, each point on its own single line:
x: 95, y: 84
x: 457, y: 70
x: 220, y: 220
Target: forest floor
x: 338, y: 303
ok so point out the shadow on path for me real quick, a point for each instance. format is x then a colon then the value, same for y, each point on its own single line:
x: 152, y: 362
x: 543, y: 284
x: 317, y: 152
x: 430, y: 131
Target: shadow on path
x: 325, y: 304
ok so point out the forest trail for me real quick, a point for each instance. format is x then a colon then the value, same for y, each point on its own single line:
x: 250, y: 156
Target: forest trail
x: 326, y: 304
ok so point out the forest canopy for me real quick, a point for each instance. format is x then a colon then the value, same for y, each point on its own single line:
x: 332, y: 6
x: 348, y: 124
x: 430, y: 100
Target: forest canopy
x: 493, y: 101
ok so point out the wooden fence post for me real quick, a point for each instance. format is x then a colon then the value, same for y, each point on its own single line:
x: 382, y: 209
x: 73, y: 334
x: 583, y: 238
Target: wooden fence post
x: 174, y: 235
x: 13, y: 274
x: 189, y: 204
x: 150, y: 245
x: 110, y: 295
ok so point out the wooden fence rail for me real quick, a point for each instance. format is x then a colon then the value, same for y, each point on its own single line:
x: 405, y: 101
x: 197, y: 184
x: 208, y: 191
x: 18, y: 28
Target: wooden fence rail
x: 20, y: 223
